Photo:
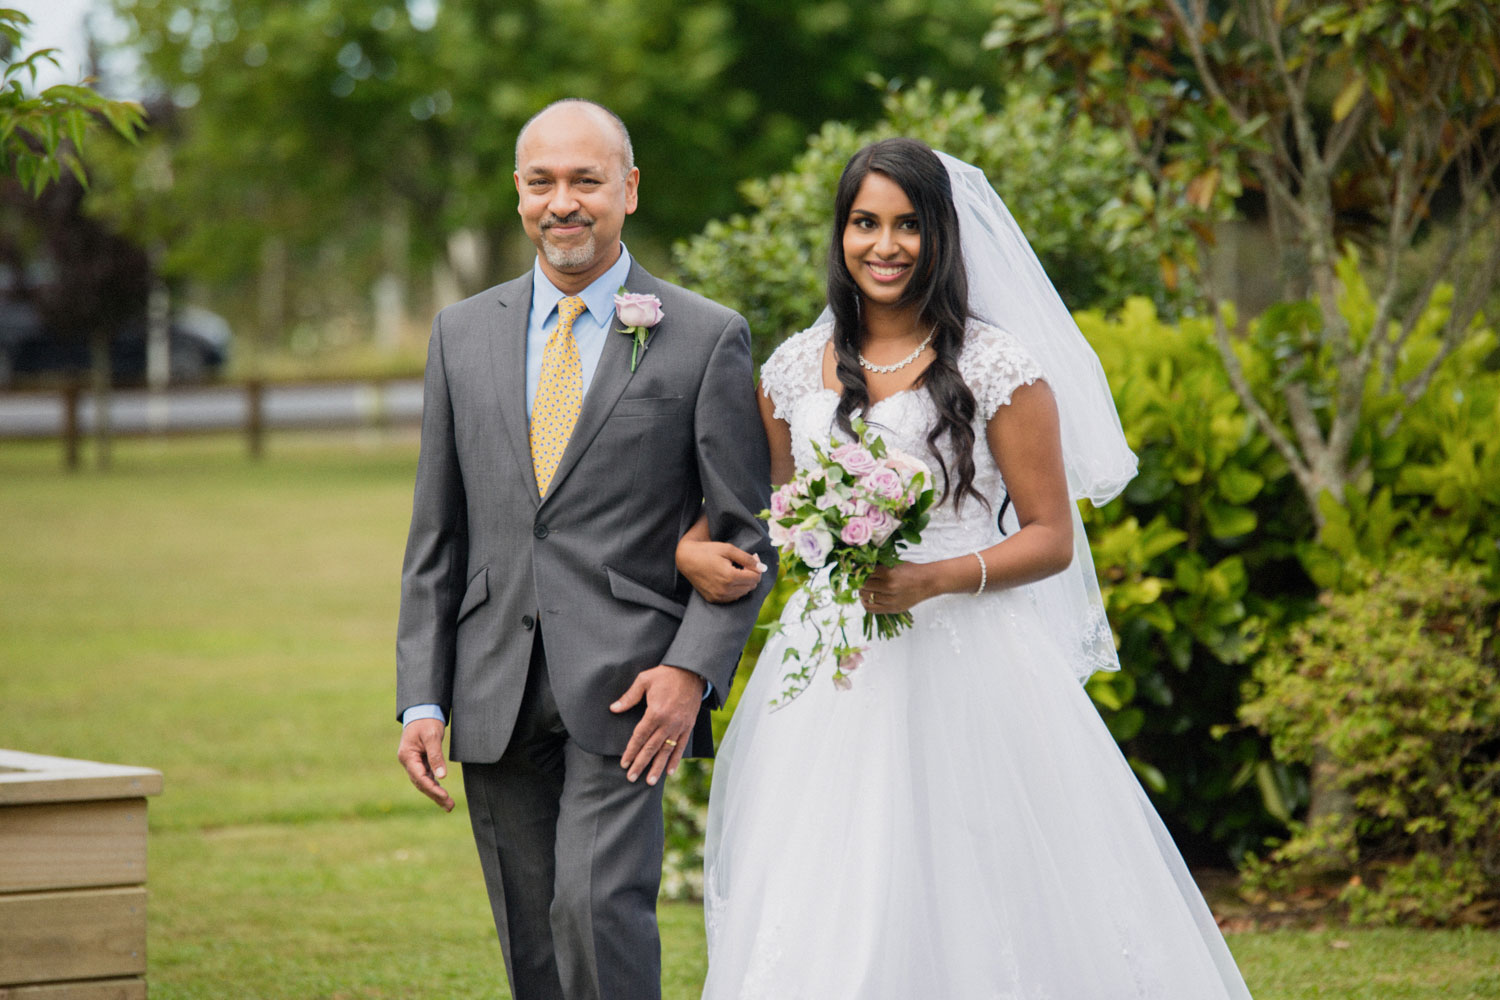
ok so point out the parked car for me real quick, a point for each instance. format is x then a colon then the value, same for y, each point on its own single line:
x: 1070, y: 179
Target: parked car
x: 198, y: 347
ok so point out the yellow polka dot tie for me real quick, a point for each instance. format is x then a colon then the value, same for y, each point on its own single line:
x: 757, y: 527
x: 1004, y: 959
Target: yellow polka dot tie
x: 559, y: 394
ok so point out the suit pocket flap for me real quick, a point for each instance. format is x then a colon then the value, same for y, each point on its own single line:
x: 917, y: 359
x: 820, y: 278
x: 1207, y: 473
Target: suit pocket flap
x: 477, y: 593
x: 626, y: 589
x: 646, y: 406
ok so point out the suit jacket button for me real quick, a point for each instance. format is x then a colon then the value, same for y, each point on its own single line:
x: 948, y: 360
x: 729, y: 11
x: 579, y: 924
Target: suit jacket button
x: 540, y: 531
x: 528, y: 622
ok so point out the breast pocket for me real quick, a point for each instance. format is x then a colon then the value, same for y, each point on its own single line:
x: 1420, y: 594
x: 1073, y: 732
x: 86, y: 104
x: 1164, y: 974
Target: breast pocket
x: 647, y: 406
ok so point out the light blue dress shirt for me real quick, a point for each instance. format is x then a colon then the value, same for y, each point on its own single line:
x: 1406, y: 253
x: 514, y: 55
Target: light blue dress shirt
x: 590, y: 331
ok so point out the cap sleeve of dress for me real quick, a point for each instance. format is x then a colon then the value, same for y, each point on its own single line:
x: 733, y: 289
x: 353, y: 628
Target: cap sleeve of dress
x: 795, y: 369
x: 993, y: 364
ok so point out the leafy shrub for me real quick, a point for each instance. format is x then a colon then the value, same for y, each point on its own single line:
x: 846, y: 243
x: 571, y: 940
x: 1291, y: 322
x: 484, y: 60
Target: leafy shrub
x: 685, y: 810
x: 685, y: 797
x: 1197, y: 561
x: 1433, y: 482
x: 1398, y: 683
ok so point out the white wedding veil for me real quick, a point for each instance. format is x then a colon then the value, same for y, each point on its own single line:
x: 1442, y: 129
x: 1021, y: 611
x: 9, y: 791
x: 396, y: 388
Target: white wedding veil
x: 1008, y: 288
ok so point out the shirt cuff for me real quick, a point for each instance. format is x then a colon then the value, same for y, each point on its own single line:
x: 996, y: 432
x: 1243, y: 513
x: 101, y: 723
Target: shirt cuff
x: 422, y: 712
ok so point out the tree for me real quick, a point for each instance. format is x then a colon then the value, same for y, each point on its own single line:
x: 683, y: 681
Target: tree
x: 43, y: 134
x: 1368, y: 128
x: 96, y: 281
x: 97, y: 272
x: 308, y: 130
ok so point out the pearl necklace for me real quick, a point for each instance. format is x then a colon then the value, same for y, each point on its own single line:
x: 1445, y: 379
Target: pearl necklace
x: 887, y: 369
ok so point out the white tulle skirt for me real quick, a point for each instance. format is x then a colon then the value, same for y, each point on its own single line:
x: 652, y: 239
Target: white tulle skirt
x: 958, y: 826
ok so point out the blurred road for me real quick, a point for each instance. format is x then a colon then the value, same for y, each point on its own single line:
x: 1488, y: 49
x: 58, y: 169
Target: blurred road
x: 227, y: 408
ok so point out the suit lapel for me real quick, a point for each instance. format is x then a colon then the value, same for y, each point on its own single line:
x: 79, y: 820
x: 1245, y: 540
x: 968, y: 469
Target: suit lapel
x: 508, y: 368
x: 610, y: 380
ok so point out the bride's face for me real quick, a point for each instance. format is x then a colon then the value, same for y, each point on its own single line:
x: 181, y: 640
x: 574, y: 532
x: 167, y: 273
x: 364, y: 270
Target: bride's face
x: 881, y: 240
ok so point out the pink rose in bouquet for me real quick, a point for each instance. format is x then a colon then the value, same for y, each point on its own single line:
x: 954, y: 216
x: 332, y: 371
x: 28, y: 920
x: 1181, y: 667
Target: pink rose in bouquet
x: 781, y: 503
x: 855, y: 458
x: 882, y: 525
x: 885, y: 482
x: 856, y: 531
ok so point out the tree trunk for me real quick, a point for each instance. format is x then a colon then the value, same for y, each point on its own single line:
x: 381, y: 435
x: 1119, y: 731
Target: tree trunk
x: 103, y: 379
x: 271, y: 295
x: 158, y: 335
x: 389, y: 292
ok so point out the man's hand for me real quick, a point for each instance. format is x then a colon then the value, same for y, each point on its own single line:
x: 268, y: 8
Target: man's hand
x: 421, y: 753
x: 673, y: 697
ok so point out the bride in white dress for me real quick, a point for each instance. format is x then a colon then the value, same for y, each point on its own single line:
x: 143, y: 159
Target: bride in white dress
x: 958, y: 824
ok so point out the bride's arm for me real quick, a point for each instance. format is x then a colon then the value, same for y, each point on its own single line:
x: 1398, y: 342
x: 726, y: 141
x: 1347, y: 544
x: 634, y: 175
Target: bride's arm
x: 779, y: 437
x: 718, y: 571
x: 1023, y: 435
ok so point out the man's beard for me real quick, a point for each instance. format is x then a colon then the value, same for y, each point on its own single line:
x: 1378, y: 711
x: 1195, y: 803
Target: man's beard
x: 565, y: 258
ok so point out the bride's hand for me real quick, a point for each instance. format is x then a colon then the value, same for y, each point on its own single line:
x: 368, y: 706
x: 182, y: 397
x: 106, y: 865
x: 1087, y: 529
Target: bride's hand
x: 893, y: 589
x: 717, y: 570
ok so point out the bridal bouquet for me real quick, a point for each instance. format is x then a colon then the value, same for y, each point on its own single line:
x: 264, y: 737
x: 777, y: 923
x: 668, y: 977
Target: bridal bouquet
x: 856, y: 510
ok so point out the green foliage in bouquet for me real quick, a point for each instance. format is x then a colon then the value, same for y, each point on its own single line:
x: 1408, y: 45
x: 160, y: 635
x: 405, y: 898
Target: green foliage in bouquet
x: 1397, y: 681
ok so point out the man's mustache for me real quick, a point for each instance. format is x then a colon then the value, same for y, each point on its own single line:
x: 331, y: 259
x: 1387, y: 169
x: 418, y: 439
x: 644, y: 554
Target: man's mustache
x: 575, y: 219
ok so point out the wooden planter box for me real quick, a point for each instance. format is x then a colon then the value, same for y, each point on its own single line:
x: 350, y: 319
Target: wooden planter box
x: 72, y: 878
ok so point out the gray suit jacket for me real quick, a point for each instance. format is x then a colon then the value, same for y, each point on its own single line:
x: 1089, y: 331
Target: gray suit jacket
x: 488, y: 560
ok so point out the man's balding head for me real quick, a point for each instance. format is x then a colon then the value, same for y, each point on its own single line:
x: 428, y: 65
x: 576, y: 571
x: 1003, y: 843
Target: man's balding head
x: 576, y: 184
x: 576, y: 107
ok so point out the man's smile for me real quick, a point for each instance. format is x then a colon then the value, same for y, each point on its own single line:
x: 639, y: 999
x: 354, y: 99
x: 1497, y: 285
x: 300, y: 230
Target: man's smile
x: 570, y: 226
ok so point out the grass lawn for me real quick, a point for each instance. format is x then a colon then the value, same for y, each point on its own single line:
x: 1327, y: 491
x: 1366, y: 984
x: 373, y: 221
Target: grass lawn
x: 231, y: 624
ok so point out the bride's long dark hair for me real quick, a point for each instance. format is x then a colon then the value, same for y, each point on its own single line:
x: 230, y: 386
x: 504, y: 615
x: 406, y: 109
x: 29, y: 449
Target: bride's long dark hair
x: 939, y: 288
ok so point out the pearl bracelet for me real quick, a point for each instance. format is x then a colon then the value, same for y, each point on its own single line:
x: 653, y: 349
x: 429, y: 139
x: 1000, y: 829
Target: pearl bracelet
x: 984, y: 575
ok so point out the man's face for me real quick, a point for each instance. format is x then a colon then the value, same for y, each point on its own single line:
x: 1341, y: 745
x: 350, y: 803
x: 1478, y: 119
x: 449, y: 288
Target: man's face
x: 575, y: 193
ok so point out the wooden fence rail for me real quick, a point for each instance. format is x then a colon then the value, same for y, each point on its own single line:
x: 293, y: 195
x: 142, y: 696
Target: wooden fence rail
x: 252, y: 407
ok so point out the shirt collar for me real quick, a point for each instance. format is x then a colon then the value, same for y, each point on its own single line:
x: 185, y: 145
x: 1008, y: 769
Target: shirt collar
x: 599, y: 296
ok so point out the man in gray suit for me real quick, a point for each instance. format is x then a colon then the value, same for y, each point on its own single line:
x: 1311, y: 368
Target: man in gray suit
x: 542, y: 617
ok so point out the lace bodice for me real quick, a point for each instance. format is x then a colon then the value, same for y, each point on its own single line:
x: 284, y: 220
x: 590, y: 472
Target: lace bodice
x: 992, y: 364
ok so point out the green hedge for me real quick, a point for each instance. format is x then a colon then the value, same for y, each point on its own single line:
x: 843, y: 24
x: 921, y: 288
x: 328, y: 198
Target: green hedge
x: 1197, y: 561
x: 1395, y: 684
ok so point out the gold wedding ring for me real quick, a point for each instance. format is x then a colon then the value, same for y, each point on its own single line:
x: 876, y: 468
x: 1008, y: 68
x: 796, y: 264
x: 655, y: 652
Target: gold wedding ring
x: 670, y: 743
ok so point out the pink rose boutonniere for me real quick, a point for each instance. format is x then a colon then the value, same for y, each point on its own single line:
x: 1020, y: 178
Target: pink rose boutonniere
x: 640, y: 313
